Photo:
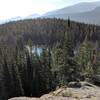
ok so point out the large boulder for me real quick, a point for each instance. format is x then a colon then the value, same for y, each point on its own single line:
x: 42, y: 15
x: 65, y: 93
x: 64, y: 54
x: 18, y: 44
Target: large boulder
x: 77, y: 91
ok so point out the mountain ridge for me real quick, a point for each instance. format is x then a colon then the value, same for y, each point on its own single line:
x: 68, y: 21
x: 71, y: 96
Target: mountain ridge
x: 81, y: 7
x: 90, y: 16
x: 86, y: 12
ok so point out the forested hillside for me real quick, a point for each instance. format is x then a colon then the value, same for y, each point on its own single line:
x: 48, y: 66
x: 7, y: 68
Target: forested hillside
x: 70, y: 51
x: 46, y: 31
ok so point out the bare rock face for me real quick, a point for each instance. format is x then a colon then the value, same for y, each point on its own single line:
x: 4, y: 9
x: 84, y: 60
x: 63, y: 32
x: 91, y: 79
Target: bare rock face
x: 85, y: 91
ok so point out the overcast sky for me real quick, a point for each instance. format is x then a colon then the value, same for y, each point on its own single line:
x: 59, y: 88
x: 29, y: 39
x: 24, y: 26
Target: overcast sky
x: 13, y: 8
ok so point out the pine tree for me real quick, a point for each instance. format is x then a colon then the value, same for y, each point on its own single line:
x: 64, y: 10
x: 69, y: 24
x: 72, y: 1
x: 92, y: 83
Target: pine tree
x: 84, y: 58
x: 17, y: 67
x: 7, y: 80
x: 46, y: 66
x: 65, y: 65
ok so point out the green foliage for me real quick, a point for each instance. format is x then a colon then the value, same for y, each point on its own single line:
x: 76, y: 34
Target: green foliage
x: 65, y: 65
x: 84, y: 57
x: 87, y: 59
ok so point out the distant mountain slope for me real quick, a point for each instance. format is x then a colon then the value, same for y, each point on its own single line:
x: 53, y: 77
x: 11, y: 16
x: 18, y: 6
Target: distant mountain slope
x: 83, y: 12
x: 87, y: 12
x: 92, y: 17
x: 17, y: 18
x: 77, y: 8
x: 32, y: 16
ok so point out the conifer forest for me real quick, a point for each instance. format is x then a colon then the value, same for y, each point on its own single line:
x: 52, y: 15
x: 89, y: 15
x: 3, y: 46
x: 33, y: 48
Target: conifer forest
x: 37, y: 55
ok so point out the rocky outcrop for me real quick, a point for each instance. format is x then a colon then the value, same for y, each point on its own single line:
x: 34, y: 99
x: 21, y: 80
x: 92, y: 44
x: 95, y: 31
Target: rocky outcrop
x: 75, y: 91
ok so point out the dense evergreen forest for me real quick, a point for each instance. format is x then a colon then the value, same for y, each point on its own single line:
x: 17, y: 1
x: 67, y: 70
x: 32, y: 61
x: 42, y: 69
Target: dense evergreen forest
x: 70, y: 51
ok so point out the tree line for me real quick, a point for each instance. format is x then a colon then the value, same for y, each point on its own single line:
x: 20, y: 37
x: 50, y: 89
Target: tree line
x: 46, y: 31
